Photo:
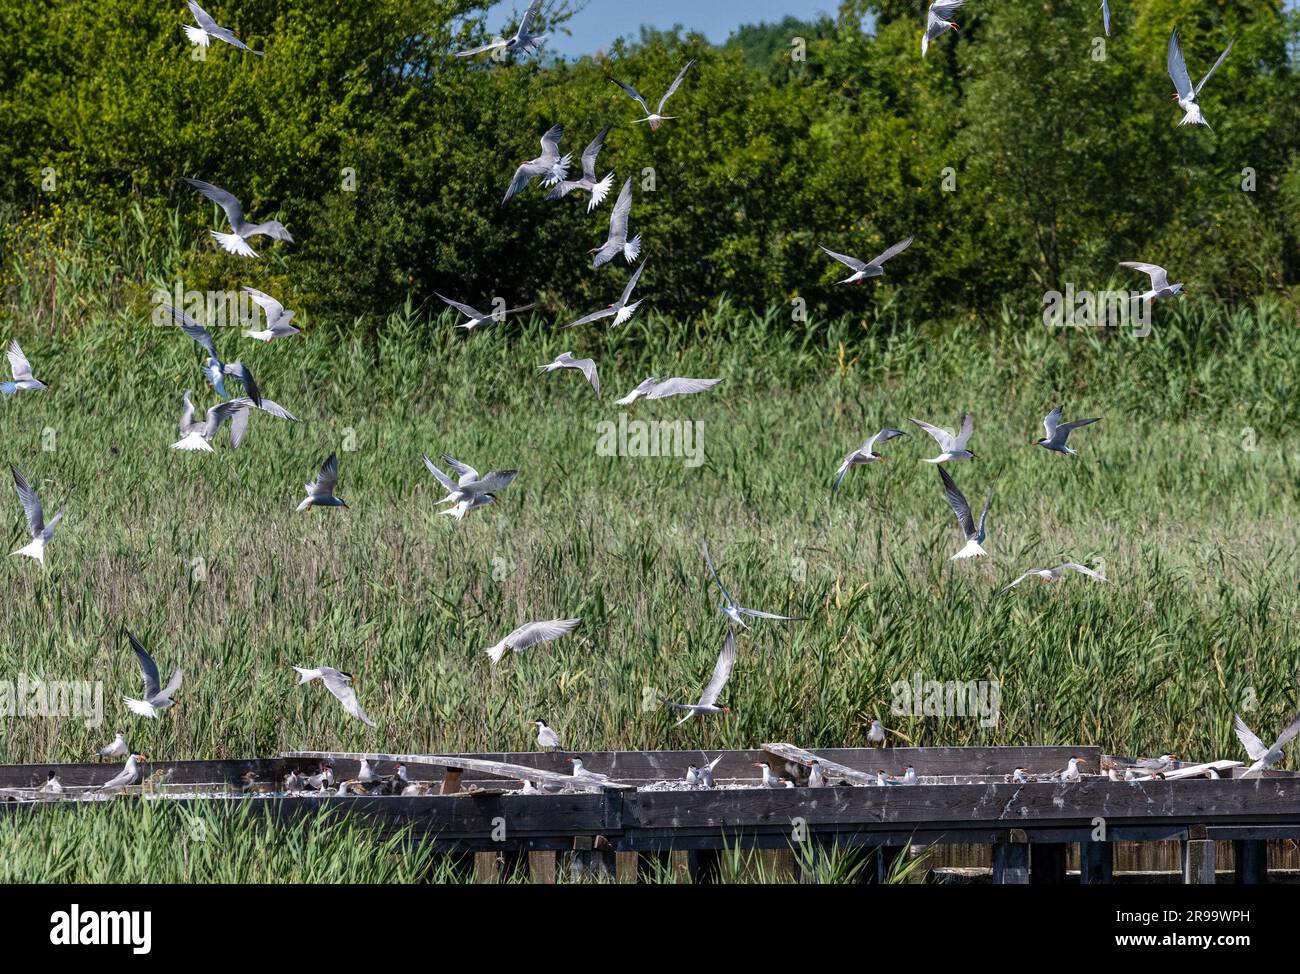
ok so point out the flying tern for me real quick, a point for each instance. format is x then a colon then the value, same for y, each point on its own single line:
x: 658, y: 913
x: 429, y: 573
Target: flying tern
x: 320, y: 492
x: 521, y: 40
x: 1058, y: 432
x: 598, y: 189
x: 864, y: 454
x: 1263, y: 757
x: 708, y: 702
x: 1160, y: 286
x: 1105, y: 16
x: 656, y: 388
x: 236, y: 242
x: 215, y: 370
x: 1187, y: 95
x: 957, y: 501
x: 208, y: 30
x: 23, y: 380
x: 565, y: 360
x: 734, y: 611
x: 154, y: 700
x: 198, y: 435
x: 546, y: 736
x: 472, y: 490
x: 617, y: 242
x: 621, y: 310
x: 1054, y: 574
x: 863, y: 270
x: 277, y: 318
x: 530, y: 634
x: 40, y: 531
x: 478, y: 319
x: 549, y: 165
x: 952, y: 448
x: 936, y: 23
x: 338, y: 683
x: 656, y: 118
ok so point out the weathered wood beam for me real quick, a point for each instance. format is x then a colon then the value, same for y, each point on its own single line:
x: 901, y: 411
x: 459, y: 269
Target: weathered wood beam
x: 788, y: 752
x: 495, y: 768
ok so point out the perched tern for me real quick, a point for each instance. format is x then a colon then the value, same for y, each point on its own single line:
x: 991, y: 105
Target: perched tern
x: 734, y: 611
x: 338, y: 683
x: 909, y: 775
x: 1058, y: 432
x: 530, y: 634
x: 621, y: 310
x: 208, y: 30
x: 952, y: 448
x: 236, y: 242
x: 477, y: 319
x: 1188, y: 97
x: 198, y: 436
x: 324, y: 779
x: 885, y: 780
x: 876, y: 734
x: 277, y: 318
x: 1154, y: 765
x: 816, y: 779
x: 320, y: 492
x: 656, y: 118
x: 692, y: 776
x: 588, y: 182
x: 957, y: 501
x: 546, y: 736
x: 864, y: 454
x: 115, y: 748
x: 129, y: 774
x: 771, y: 780
x: 656, y: 388
x: 40, y: 531
x: 1264, y: 757
x: 215, y: 370
x: 154, y: 699
x: 23, y: 380
x: 708, y: 702
x: 617, y: 242
x: 1071, y: 772
x: 579, y: 771
x: 521, y: 40
x: 706, y: 772
x: 1160, y: 286
x: 52, y: 785
x: 862, y: 270
x: 1054, y: 574
x: 565, y: 360
x: 549, y: 165
x: 936, y: 24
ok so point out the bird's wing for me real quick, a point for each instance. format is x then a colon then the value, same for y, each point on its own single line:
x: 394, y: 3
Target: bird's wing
x: 1105, y: 16
x: 346, y: 696
x: 327, y: 478
x: 1082, y: 570
x: 622, y: 209
x: 884, y: 436
x: 757, y: 614
x: 194, y: 330
x: 241, y: 372
x: 438, y: 475
x: 229, y: 205
x: 1074, y: 424
x: 1253, y: 745
x: 590, y: 153
x: 851, y: 262
x: 984, y: 516
x: 529, y: 16
x: 491, y: 46
x: 466, y: 472
x: 942, y: 437
x: 893, y: 251
x: 173, y: 684
x: 272, y: 307
x: 275, y: 409
x: 22, y: 369
x: 460, y: 306
x: 551, y: 141
x: 201, y: 16
x: 1051, y: 421
x: 672, y: 88
x: 223, y: 411
x: 31, y: 503
x: 680, y: 387
x: 714, y: 572
x: 1178, y: 67
x: 721, y: 672
x: 967, y: 428
x: 1201, y: 83
x: 494, y: 481
x: 595, y: 315
x: 238, y: 424
x: 946, y: 8
x: 1286, y: 736
x: 1159, y: 276
x: 631, y: 284
x: 588, y: 367
x: 523, y: 176
x: 147, y: 666
x: 539, y: 632
x: 958, y: 504
x: 634, y: 93
x: 1005, y: 588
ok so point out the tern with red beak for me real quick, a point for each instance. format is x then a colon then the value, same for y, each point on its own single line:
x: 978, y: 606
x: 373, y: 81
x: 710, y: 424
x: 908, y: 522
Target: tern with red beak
x: 621, y: 310
x: 208, y: 29
x: 565, y: 360
x: 236, y: 242
x: 588, y: 182
x: 734, y: 611
x: 277, y: 318
x: 523, y: 39
x: 771, y: 780
x: 957, y: 501
x: 1160, y: 286
x: 1263, y: 757
x: 935, y: 23
x: 617, y: 242
x: 865, y: 454
x: 1187, y: 95
x: 708, y: 702
x: 1058, y: 432
x: 129, y: 775
x: 657, y: 388
x: 340, y: 685
x: 530, y: 634
x: 1071, y: 772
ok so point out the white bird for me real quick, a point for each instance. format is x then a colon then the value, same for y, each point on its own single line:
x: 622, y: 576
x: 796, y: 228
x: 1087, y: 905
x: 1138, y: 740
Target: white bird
x: 154, y: 699
x: 617, y: 243
x: 935, y: 22
x: 366, y: 774
x: 277, y: 318
x: 239, y: 420
x: 580, y: 771
x: 957, y: 501
x: 548, y: 165
x: 320, y: 492
x: 884, y: 780
x: 952, y: 448
x: 1156, y: 765
x: 338, y: 683
x: 909, y: 775
x: 734, y: 611
x: 1105, y: 16
x: 620, y: 310
x: 1187, y: 95
x: 23, y: 380
x: 115, y: 748
x: 1160, y: 286
x: 771, y: 780
x: 706, y: 772
x: 546, y: 736
x: 1071, y: 772
x: 656, y: 118
x: 478, y: 319
x: 1054, y: 574
x: 1058, y: 432
x: 521, y: 40
x: 692, y: 776
x: 235, y: 242
x: 815, y: 777
x: 565, y: 360
x: 198, y: 436
x: 472, y: 491
x: 1264, y: 757
x: 876, y: 734
x: 52, y: 785
x: 598, y: 189
x: 208, y: 30
x: 324, y: 779
x: 656, y: 388
x: 215, y: 370
x: 862, y: 270
x: 530, y: 634
x: 129, y: 774
x: 708, y: 702
x: 864, y: 454
x: 40, y: 531
x: 1020, y: 776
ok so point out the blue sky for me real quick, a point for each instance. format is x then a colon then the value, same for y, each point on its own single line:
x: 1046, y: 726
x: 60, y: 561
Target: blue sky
x: 603, y: 20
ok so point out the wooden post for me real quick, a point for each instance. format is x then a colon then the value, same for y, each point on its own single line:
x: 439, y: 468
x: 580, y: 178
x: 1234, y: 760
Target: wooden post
x: 450, y: 781
x: 1251, y: 866
x: 1198, y: 857
x: 1096, y: 862
x: 542, y: 868
x: 704, y: 865
x: 1047, y: 863
x: 1011, y: 860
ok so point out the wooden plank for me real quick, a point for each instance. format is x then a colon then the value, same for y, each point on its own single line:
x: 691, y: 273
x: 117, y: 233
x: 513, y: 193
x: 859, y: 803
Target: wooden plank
x: 1198, y: 862
x: 1011, y: 860
x: 1250, y: 861
x: 497, y: 769
x: 1200, y: 770
x: 450, y: 781
x: 788, y: 752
